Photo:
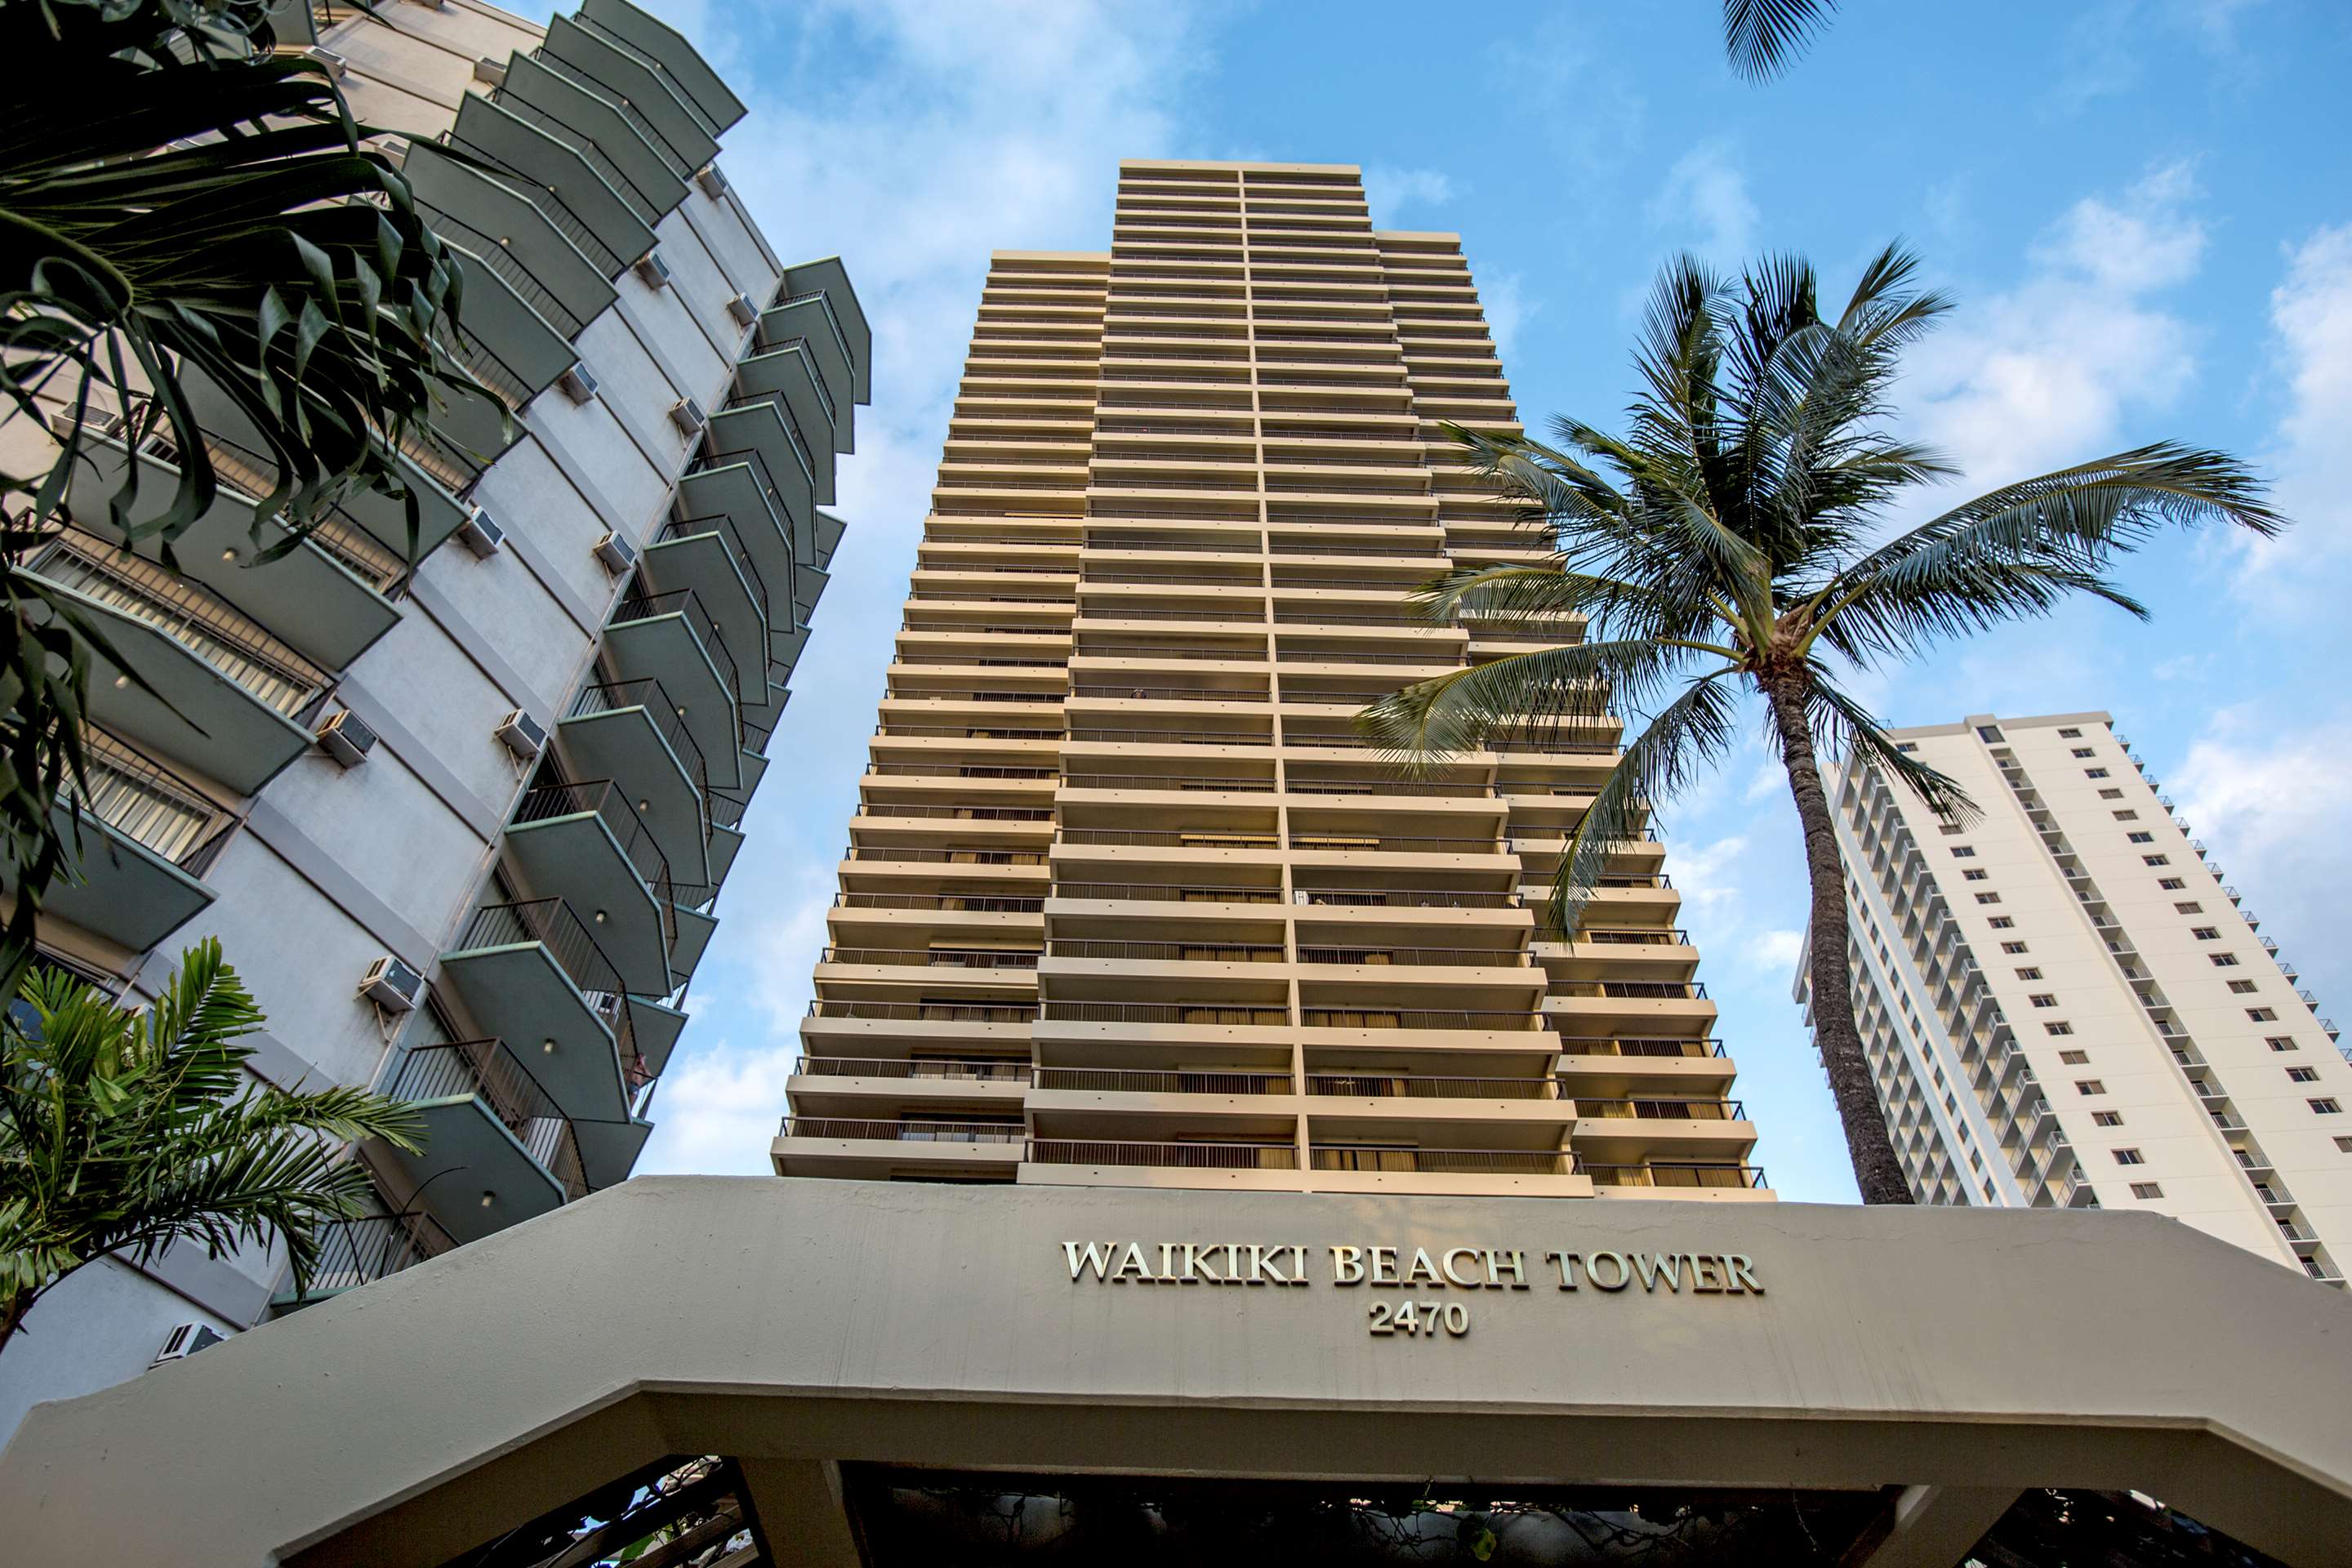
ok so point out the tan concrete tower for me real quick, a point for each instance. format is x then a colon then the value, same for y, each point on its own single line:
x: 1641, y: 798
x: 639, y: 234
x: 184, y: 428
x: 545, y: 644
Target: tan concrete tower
x: 1128, y: 901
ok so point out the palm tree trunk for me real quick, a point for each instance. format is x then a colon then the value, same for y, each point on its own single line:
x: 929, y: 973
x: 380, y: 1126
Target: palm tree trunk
x: 12, y: 1315
x: 1877, y: 1170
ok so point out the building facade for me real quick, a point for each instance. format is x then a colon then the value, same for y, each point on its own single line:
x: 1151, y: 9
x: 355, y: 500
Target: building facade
x: 459, y: 819
x: 2066, y: 1004
x: 1128, y: 900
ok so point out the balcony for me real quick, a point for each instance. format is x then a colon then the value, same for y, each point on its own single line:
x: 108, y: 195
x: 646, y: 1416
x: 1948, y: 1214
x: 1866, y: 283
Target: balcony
x: 763, y: 425
x: 790, y: 371
x: 632, y: 733
x: 809, y: 318
x: 927, y: 1085
x: 354, y: 1252
x: 575, y: 199
x: 507, y: 340
x: 945, y: 1145
x: 539, y: 92
x: 1673, y: 1179
x: 221, y: 694
x: 1261, y: 1166
x: 1383, y: 1167
x: 508, y: 1151
x: 586, y: 845
x: 690, y: 76
x: 670, y: 122
x: 671, y: 639
x: 146, y: 841
x: 534, y: 973
x: 512, y: 234
x: 706, y: 556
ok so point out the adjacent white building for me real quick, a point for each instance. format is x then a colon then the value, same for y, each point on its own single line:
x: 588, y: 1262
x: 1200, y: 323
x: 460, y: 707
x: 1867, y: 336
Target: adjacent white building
x: 2067, y: 1005
x: 461, y: 822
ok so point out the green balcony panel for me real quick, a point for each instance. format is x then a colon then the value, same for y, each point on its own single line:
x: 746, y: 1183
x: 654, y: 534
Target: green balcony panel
x: 509, y: 347
x: 762, y: 425
x: 827, y: 276
x: 146, y: 839
x: 656, y: 1027
x: 631, y: 732
x: 609, y: 1150
x: 309, y: 597
x: 724, y: 843
x: 786, y: 645
x: 502, y: 224
x: 808, y: 319
x: 620, y: 75
x: 534, y: 974
x: 694, y: 930
x: 667, y: 638
x: 586, y: 845
x: 789, y: 373
x: 221, y: 695
x: 497, y: 1149
x: 704, y: 555
x: 658, y: 41
x: 808, y: 587
x: 598, y: 129
x: 577, y: 199
x: 829, y: 530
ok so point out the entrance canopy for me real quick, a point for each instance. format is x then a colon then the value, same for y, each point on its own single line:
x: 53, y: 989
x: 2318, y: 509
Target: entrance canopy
x: 851, y: 1365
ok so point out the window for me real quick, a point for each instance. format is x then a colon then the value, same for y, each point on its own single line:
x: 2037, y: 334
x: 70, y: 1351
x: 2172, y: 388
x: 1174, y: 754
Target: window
x: 2303, y: 1075
x: 2002, y: 922
x: 1987, y: 898
x: 2344, y: 1145
x: 2089, y: 1086
x: 2111, y: 795
x: 1949, y: 828
x: 1988, y: 732
x: 2243, y: 988
x: 1976, y: 874
x: 2070, y: 734
x: 2094, y: 773
x: 2060, y: 1028
x: 2224, y: 960
x: 2075, y: 1058
x: 2085, y: 752
x: 2262, y: 1015
x: 2129, y: 1157
x: 2141, y: 838
x: 1906, y: 745
x: 2324, y: 1106
x: 1963, y: 852
x: 2171, y: 884
x: 2206, y: 934
x: 2281, y: 1042
x: 1988, y: 1190
x: 2107, y: 1119
x: 2146, y: 1190
x: 2128, y: 816
x: 2187, y: 909
x: 2028, y: 974
x: 2156, y: 859
x: 2043, y: 999
x: 2012, y: 947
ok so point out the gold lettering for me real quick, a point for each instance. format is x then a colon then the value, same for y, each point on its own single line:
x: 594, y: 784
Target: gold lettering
x: 1298, y: 1263
x: 1625, y: 1270
x: 1167, y: 1262
x: 1421, y: 1270
x: 1262, y: 1269
x: 1567, y: 1262
x: 1515, y: 1260
x: 1704, y: 1281
x: 1655, y: 1265
x: 1234, y: 1264
x: 1132, y: 1259
x: 1384, y: 1259
x: 1471, y: 1283
x: 1346, y: 1265
x: 1740, y: 1269
x: 1196, y: 1269
x: 1095, y: 1257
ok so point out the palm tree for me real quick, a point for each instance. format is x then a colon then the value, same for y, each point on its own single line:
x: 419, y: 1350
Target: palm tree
x: 1764, y: 37
x: 178, y: 193
x: 124, y: 1131
x: 1736, y: 542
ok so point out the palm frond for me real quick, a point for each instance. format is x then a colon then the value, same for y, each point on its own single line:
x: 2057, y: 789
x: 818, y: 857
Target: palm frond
x: 1521, y: 694
x: 1852, y: 734
x: 1764, y: 37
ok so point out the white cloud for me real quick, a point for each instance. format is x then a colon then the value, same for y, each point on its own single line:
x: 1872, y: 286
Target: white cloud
x: 717, y: 1109
x: 1705, y: 205
x: 2311, y: 325
x: 1776, y: 951
x: 2047, y: 373
x: 1391, y: 191
x: 1508, y: 308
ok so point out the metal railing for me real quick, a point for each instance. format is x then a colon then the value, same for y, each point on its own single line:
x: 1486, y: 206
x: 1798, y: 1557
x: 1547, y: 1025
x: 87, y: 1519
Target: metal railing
x: 1406, y: 898
x: 1165, y: 1156
x: 1638, y: 990
x: 1224, y: 783
x: 816, y: 373
x: 782, y: 407
x: 779, y: 514
x: 933, y: 957
x: 1443, y: 1161
x: 1214, y: 1013
x: 148, y: 805
x: 953, y: 1069
x: 1171, y: 952
x: 336, y: 531
x: 1138, y: 1081
x: 550, y: 203
x: 1414, y: 1086
x: 832, y: 321
x: 1168, y: 893
x: 721, y: 527
x: 667, y: 718
x: 981, y: 903
x: 926, y: 1012
x: 1651, y: 1109
x: 1416, y: 957
x: 499, y: 258
x: 1184, y: 838
x: 640, y: 606
x: 906, y: 1132
x: 1606, y: 1045
x: 959, y: 812
x: 1380, y: 785
x: 1675, y: 1175
x: 550, y: 923
x: 1169, y: 737
x: 489, y: 1072
x: 353, y: 1252
x: 1421, y: 1018
x: 606, y: 801
x: 588, y: 81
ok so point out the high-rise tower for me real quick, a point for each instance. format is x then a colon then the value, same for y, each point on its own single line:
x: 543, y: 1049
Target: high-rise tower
x: 1128, y: 900
x: 2065, y: 1004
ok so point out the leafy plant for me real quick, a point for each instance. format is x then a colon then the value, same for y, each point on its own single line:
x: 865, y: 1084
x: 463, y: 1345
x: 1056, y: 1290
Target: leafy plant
x: 123, y: 1132
x: 178, y: 196
x: 1735, y: 541
x: 1764, y: 37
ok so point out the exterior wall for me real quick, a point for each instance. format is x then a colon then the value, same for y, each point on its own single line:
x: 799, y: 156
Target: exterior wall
x: 324, y: 870
x: 1128, y: 898
x: 2111, y: 1033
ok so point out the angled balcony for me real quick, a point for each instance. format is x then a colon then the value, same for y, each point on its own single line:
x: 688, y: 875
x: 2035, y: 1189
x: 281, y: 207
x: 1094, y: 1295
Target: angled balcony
x: 221, y: 695
x: 789, y: 371
x: 827, y: 278
x: 534, y: 973
x: 710, y: 556
x: 664, y: 47
x: 362, y: 1250
x: 670, y: 121
x: 497, y: 1149
x: 807, y: 321
x: 502, y: 225
x: 585, y: 844
x: 505, y: 339
x: 631, y: 732
x: 761, y: 424
x: 540, y: 92
x: 146, y: 838
x: 326, y: 596
x: 575, y: 199
x: 670, y: 638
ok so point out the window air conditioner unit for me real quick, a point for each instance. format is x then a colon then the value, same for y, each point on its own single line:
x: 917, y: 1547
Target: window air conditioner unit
x: 336, y: 65
x: 743, y: 310
x: 185, y: 1340
x: 492, y: 71
x: 653, y: 268
x: 578, y: 384
x: 713, y: 182
x: 346, y: 739
x: 392, y: 985
x: 687, y: 415
x: 523, y: 735
x: 481, y: 532
x: 616, y: 552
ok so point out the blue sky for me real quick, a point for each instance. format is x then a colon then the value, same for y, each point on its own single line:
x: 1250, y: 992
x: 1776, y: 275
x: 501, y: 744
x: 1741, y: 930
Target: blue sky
x: 2143, y: 206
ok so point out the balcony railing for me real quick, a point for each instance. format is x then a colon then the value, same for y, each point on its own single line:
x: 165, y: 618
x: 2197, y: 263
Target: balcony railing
x: 1661, y: 1109
x: 1638, y: 990
x: 1165, y: 1156
x: 1414, y: 1086
x: 1675, y: 1175
x: 792, y: 425
x: 1416, y: 957
x: 1210, y: 1012
x: 353, y: 1252
x: 336, y: 531
x: 907, y: 1132
x: 923, y: 1069
x: 499, y: 258
x: 551, y: 924
x: 149, y: 805
x: 1600, y: 1045
x: 832, y: 321
x: 1421, y: 1018
x: 723, y: 528
x: 1218, y: 782
x: 609, y: 803
x: 1132, y: 1080
x: 932, y: 958
x: 489, y: 1072
x: 640, y: 606
x: 1406, y: 898
x: 1443, y: 1161
x: 1166, y: 892
x: 926, y: 1012
x: 669, y: 719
